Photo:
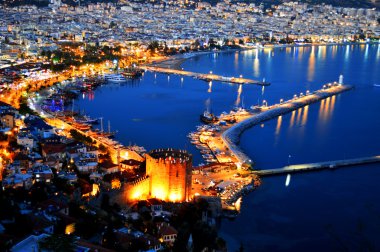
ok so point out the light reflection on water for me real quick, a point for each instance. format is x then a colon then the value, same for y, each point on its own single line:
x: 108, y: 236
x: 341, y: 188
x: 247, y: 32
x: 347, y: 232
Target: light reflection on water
x: 239, y: 92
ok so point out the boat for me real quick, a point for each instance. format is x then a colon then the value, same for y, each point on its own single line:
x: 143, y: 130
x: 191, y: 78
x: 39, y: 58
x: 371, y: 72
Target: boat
x: 230, y: 120
x: 132, y: 73
x: 102, y: 133
x: 208, y: 117
x: 115, y: 78
x: 81, y: 126
x: 86, y: 120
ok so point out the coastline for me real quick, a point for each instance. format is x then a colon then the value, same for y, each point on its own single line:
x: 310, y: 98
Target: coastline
x: 176, y: 61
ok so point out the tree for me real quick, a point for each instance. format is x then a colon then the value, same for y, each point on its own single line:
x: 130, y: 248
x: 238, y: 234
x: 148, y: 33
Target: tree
x: 112, y: 24
x: 212, y: 43
x: 197, y: 43
x: 105, y: 204
x: 57, y: 243
x: 153, y: 46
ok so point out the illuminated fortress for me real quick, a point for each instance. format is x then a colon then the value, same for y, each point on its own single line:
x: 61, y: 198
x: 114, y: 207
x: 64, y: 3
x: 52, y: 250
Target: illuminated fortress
x: 168, y: 177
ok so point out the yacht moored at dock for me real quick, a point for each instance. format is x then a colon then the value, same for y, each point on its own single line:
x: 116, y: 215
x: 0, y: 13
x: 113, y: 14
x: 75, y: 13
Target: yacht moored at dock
x: 208, y: 117
x: 114, y: 78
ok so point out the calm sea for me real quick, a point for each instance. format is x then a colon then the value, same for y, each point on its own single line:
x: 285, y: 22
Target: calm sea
x: 322, y: 211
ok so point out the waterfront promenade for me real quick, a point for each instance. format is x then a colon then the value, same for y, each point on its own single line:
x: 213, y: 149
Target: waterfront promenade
x: 318, y: 166
x: 207, y: 77
x: 116, y: 151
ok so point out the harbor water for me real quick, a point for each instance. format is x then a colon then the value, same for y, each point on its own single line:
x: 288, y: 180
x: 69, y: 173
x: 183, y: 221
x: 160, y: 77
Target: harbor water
x: 323, y: 211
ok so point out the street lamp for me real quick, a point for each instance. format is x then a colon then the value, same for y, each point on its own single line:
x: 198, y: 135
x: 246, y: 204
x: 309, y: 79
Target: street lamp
x: 210, y: 72
x: 281, y: 100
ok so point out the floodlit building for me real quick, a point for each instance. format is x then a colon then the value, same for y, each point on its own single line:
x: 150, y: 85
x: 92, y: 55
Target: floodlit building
x: 170, y: 174
x: 168, y: 177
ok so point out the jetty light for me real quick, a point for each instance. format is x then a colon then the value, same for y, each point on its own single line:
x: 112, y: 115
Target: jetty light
x: 241, y: 76
x: 210, y: 72
x: 281, y: 100
x: 307, y: 92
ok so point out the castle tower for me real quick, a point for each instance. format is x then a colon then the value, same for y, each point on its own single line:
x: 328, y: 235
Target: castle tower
x: 170, y: 174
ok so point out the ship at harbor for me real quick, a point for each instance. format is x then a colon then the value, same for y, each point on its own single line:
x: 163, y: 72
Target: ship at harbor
x: 208, y: 117
x: 132, y: 72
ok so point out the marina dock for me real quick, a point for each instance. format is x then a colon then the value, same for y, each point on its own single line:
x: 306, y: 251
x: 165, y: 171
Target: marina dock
x: 318, y: 166
x: 205, y: 77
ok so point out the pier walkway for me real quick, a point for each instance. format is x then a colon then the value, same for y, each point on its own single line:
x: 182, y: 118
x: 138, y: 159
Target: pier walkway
x: 206, y: 77
x: 318, y: 166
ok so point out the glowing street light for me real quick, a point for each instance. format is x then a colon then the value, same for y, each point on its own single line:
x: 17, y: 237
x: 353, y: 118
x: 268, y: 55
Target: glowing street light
x: 265, y: 104
x: 281, y: 100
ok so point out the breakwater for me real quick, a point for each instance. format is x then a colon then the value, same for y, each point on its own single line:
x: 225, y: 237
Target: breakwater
x: 232, y: 135
x: 318, y: 166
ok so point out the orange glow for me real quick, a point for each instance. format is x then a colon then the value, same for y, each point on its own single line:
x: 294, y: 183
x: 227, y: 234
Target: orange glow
x: 278, y: 127
x: 299, y: 112
x: 159, y: 192
x: 304, y: 116
x: 332, y: 105
x: 321, y: 108
x: 326, y: 109
x: 292, y: 118
x: 95, y: 190
x: 311, y: 69
x: 174, y: 197
x: 115, y: 184
x: 322, y: 52
x: 70, y: 229
x: 137, y: 194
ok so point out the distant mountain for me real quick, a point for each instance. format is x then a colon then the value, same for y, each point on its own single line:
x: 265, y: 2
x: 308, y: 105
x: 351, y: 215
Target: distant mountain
x: 267, y: 3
